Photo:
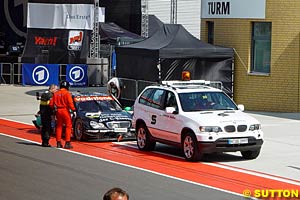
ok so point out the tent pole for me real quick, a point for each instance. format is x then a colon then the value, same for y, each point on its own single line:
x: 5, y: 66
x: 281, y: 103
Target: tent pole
x: 159, y: 70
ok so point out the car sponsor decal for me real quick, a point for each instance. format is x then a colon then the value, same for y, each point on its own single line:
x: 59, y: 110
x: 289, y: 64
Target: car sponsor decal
x: 113, y: 117
x: 92, y: 98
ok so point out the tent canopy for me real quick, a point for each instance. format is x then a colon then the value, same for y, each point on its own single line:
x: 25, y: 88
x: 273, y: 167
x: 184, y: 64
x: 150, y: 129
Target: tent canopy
x: 174, y: 49
x: 174, y: 41
x: 110, y: 32
x: 154, y: 25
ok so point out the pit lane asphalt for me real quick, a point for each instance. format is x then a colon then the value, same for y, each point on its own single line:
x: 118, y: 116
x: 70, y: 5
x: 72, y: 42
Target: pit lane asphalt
x: 28, y: 171
x: 279, y: 157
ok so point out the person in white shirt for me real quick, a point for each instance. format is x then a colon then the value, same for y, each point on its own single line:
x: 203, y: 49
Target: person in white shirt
x: 114, y: 87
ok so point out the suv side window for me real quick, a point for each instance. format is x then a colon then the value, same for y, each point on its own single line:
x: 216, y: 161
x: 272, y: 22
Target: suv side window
x: 145, y: 97
x: 157, y: 99
x: 171, y: 100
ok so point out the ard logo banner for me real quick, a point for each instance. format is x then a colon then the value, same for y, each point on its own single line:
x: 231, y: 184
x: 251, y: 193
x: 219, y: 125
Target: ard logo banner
x: 76, y: 75
x: 40, y: 74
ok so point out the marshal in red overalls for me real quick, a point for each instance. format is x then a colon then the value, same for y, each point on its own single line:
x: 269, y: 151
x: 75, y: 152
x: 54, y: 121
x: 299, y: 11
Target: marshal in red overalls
x: 62, y: 103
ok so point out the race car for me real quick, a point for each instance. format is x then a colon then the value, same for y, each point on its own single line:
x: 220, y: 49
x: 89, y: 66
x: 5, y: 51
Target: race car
x: 100, y: 117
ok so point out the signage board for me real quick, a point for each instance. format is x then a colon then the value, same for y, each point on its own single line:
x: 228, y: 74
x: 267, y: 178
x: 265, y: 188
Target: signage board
x: 247, y: 9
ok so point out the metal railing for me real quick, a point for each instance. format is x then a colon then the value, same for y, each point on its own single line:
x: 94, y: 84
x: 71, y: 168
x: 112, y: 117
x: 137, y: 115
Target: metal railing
x: 132, y: 88
x: 6, y: 71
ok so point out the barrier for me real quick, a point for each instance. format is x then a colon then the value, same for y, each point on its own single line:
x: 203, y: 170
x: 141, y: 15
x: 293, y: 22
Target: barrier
x: 142, y: 84
x: 6, y: 71
x: 98, y: 74
x: 132, y: 88
x: 17, y: 73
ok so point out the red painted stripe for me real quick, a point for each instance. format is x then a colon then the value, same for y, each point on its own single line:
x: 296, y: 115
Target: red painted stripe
x: 196, y: 172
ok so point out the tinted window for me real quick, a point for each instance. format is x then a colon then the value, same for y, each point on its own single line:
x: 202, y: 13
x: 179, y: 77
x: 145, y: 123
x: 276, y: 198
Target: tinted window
x: 157, y: 99
x: 210, y: 32
x: 261, y: 47
x: 170, y: 100
x: 145, y: 97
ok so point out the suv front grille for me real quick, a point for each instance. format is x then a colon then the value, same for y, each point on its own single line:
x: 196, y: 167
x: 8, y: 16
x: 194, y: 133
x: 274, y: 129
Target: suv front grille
x: 232, y: 128
x: 118, y: 124
x: 242, y: 128
x: 229, y: 128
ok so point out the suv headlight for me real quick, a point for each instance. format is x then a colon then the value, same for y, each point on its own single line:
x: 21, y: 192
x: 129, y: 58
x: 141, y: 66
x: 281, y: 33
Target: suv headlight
x: 96, y: 125
x: 215, y: 129
x: 254, y: 127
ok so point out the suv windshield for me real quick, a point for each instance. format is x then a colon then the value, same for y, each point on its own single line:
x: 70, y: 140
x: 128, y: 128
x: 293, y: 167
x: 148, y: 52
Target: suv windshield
x: 201, y: 101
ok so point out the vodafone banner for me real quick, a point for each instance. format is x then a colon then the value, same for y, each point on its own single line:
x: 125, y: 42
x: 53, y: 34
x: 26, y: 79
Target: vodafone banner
x: 60, y: 16
x: 40, y: 74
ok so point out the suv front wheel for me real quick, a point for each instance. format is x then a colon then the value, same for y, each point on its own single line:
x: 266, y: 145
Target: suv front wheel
x: 250, y: 154
x: 190, y: 148
x: 143, y: 139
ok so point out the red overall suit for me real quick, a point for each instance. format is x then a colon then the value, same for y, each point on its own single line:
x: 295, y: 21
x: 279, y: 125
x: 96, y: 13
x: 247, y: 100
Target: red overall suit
x: 62, y: 103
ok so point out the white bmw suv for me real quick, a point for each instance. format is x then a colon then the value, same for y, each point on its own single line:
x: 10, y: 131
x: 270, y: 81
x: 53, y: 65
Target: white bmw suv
x: 195, y: 117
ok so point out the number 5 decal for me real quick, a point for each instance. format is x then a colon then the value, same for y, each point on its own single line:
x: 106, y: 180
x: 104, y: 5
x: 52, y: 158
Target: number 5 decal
x: 153, y: 117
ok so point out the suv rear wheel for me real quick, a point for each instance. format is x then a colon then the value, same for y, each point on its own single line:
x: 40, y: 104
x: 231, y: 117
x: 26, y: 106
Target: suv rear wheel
x: 190, y: 148
x: 143, y: 139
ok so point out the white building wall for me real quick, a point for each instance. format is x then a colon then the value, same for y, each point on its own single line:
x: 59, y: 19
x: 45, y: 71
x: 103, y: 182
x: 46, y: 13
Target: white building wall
x: 188, y: 13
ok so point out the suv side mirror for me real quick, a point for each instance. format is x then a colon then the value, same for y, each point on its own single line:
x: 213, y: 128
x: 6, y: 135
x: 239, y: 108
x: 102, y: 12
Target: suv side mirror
x: 241, y: 107
x: 171, y: 110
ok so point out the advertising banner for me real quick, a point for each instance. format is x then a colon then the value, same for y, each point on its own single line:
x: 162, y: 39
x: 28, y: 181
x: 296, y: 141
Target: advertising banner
x: 60, y: 16
x: 75, y: 40
x: 51, y: 46
x: 37, y: 74
x: 76, y: 75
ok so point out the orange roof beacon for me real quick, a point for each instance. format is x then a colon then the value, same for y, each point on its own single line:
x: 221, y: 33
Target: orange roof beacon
x: 186, y: 76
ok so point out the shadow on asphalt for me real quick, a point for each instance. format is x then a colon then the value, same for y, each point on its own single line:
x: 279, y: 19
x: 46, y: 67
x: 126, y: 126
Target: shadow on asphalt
x: 214, y: 157
x: 29, y: 143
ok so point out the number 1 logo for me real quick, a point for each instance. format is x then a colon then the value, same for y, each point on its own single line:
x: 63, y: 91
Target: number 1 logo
x: 40, y: 75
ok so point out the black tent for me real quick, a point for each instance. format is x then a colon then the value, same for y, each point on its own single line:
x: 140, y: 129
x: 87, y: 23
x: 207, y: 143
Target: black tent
x: 154, y: 25
x: 176, y: 50
x: 110, y: 32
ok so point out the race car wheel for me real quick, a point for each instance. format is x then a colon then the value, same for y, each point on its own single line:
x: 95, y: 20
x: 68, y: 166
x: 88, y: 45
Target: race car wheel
x: 144, y: 142
x: 249, y: 155
x: 78, y: 130
x: 190, y: 148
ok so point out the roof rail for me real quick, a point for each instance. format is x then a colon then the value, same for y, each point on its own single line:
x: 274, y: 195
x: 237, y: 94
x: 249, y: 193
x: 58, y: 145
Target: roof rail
x: 193, y: 83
